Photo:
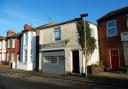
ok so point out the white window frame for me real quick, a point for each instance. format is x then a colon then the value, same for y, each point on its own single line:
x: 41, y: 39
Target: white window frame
x: 0, y: 44
x: 111, y: 35
x: 4, y: 56
x: 26, y: 38
x: 4, y: 44
x: 50, y: 60
x: 9, y: 43
x: 13, y: 43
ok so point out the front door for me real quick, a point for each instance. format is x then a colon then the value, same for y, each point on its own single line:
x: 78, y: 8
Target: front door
x: 114, y: 59
x: 75, y: 56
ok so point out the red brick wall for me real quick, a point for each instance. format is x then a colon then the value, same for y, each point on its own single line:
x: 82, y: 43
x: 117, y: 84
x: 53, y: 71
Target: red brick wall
x: 16, y: 49
x: 106, y: 43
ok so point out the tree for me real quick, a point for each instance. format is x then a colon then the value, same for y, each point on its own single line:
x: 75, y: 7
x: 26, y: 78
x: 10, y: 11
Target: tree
x: 90, y: 41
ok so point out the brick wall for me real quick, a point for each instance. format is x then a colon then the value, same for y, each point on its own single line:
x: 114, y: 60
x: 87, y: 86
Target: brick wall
x: 106, y: 43
x: 14, y: 50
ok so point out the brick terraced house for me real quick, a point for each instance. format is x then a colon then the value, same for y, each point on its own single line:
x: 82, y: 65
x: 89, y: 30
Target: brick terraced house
x: 12, y: 48
x: 113, y: 38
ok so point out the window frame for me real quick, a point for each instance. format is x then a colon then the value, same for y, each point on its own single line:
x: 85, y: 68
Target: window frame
x: 13, y: 43
x: 57, y: 29
x: 26, y: 38
x: 54, y: 59
x: 9, y: 43
x: 4, y: 44
x: 1, y: 44
x: 108, y: 28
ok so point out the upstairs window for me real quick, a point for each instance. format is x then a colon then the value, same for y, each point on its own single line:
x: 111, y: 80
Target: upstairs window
x: 4, y: 44
x: 57, y: 33
x: 9, y: 42
x: 13, y: 43
x: 111, y: 28
x: 26, y: 38
x: 0, y: 44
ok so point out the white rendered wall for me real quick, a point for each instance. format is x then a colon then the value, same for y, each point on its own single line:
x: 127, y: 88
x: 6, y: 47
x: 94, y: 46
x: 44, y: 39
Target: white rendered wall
x: 31, y: 51
x: 69, y: 32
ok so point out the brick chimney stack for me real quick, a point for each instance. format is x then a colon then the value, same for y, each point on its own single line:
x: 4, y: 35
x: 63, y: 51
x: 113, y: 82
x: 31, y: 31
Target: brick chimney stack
x: 10, y: 33
x: 27, y: 27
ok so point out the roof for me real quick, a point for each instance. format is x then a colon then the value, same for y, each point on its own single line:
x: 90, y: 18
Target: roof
x: 47, y: 25
x: 32, y: 29
x: 14, y: 35
x: 120, y: 11
x: 56, y: 24
x: 2, y: 38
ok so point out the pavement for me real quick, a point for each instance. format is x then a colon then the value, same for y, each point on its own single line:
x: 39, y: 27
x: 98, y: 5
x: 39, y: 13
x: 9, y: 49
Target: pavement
x: 103, y: 78
x: 117, y: 79
x: 112, y: 75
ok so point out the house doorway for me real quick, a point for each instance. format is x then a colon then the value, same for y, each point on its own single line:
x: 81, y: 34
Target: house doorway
x: 75, y: 56
x: 114, y: 59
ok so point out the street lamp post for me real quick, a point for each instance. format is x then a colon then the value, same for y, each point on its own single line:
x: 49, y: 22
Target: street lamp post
x: 82, y: 16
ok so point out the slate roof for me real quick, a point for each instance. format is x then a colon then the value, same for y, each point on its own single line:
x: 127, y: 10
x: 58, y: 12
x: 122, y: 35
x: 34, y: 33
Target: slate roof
x: 120, y: 11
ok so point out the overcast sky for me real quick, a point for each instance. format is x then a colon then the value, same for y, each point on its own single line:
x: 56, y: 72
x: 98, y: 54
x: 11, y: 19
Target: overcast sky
x: 15, y: 13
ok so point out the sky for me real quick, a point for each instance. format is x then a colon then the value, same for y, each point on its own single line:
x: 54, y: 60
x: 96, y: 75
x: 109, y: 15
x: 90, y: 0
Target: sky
x: 15, y: 13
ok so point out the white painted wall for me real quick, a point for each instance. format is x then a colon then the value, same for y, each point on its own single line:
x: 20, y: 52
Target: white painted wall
x: 95, y: 56
x: 69, y: 32
x: 30, y: 47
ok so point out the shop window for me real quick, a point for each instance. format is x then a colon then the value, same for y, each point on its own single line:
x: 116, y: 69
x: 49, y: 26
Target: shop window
x: 60, y: 59
x: 54, y: 59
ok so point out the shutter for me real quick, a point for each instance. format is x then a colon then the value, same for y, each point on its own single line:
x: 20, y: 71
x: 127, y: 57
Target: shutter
x: 58, y: 53
x: 53, y: 68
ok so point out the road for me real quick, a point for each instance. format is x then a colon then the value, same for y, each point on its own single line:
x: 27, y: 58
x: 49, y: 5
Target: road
x: 36, y: 82
x: 46, y: 83
x: 22, y: 80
